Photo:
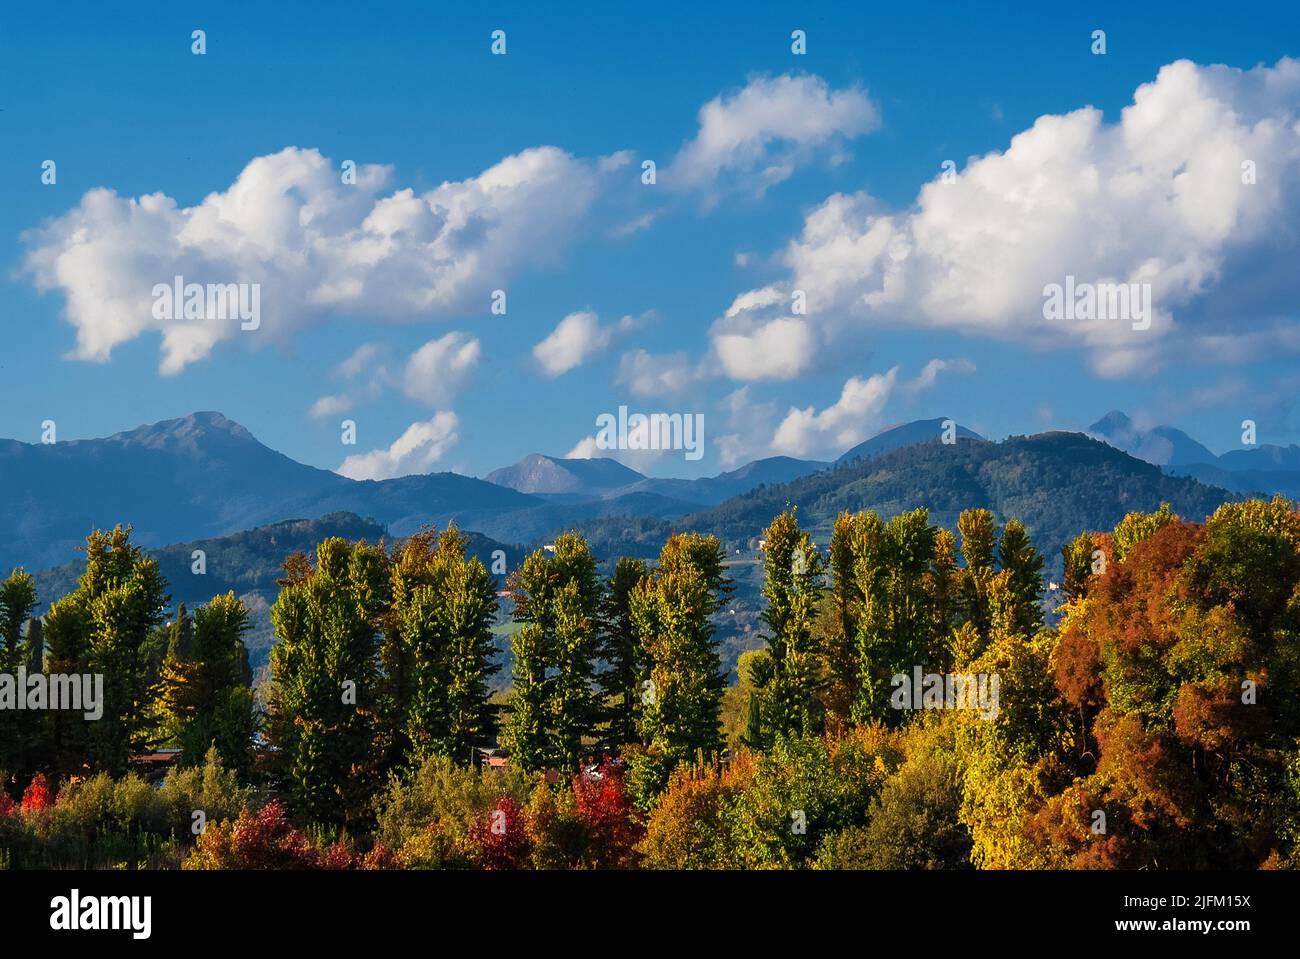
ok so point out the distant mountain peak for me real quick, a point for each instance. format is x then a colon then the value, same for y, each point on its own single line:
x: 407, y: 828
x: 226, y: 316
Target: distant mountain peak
x: 539, y: 473
x: 185, y: 431
x: 905, y: 434
x: 1115, y: 419
x: 1161, y: 445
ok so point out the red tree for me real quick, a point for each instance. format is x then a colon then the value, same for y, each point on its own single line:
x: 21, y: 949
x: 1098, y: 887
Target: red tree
x: 37, y: 795
x: 500, y: 840
x: 606, y: 812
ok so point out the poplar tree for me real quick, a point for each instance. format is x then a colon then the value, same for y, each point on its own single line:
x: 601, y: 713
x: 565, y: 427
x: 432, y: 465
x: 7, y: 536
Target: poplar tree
x: 978, y: 541
x: 437, y: 651
x: 556, y: 706
x: 893, y: 564
x: 324, y: 673
x: 672, y: 612
x: 101, y: 628
x: 17, y: 729
x: 205, y: 698
x: 792, y: 589
x: 620, y: 683
x: 1022, y: 565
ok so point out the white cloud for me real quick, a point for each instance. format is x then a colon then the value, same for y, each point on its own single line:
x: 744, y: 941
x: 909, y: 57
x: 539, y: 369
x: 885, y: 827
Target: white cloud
x: 437, y: 370
x: 857, y: 414
x: 640, y: 460
x: 650, y: 375
x: 758, y: 338
x: 315, y: 246
x: 358, y: 361
x: 848, y: 421
x: 585, y: 449
x: 1155, y: 198
x: 763, y: 131
x: 749, y: 423
x: 577, y: 338
x: 930, y: 373
x: 331, y: 405
x: 415, y: 451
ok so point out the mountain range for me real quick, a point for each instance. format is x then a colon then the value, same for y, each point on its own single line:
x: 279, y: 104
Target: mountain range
x: 1265, y: 468
x: 205, y: 476
x: 205, y: 482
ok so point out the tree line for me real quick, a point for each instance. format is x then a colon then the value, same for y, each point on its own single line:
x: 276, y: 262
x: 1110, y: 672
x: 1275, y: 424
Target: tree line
x: 1150, y: 726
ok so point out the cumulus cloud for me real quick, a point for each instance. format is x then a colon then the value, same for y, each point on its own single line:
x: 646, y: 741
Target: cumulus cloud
x: 1156, y: 198
x: 438, y: 369
x: 649, y: 375
x: 315, y: 246
x: 577, y: 338
x: 415, y: 451
x: 857, y: 414
x: 748, y: 426
x: 759, y: 339
x: 930, y: 373
x: 762, y: 132
x: 847, y: 422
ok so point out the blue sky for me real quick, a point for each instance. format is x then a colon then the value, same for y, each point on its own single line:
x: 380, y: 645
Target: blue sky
x: 880, y: 100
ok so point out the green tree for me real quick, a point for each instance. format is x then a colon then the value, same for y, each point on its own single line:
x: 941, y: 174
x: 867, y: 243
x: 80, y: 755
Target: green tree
x: 978, y: 541
x: 324, y: 679
x: 793, y: 586
x: 620, y: 683
x: 556, y: 708
x: 19, y: 731
x: 1023, y: 566
x: 893, y: 565
x: 437, y: 651
x: 102, y: 628
x: 672, y: 612
x: 205, y: 699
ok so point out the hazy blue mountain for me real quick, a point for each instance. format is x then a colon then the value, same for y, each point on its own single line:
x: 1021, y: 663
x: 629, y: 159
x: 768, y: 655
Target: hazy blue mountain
x: 710, y: 490
x: 1261, y: 483
x: 906, y: 434
x: 1265, y: 457
x: 1058, y: 484
x: 1161, y: 445
x: 200, y: 475
x: 1260, y: 470
x: 538, y: 473
x: 574, y: 481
